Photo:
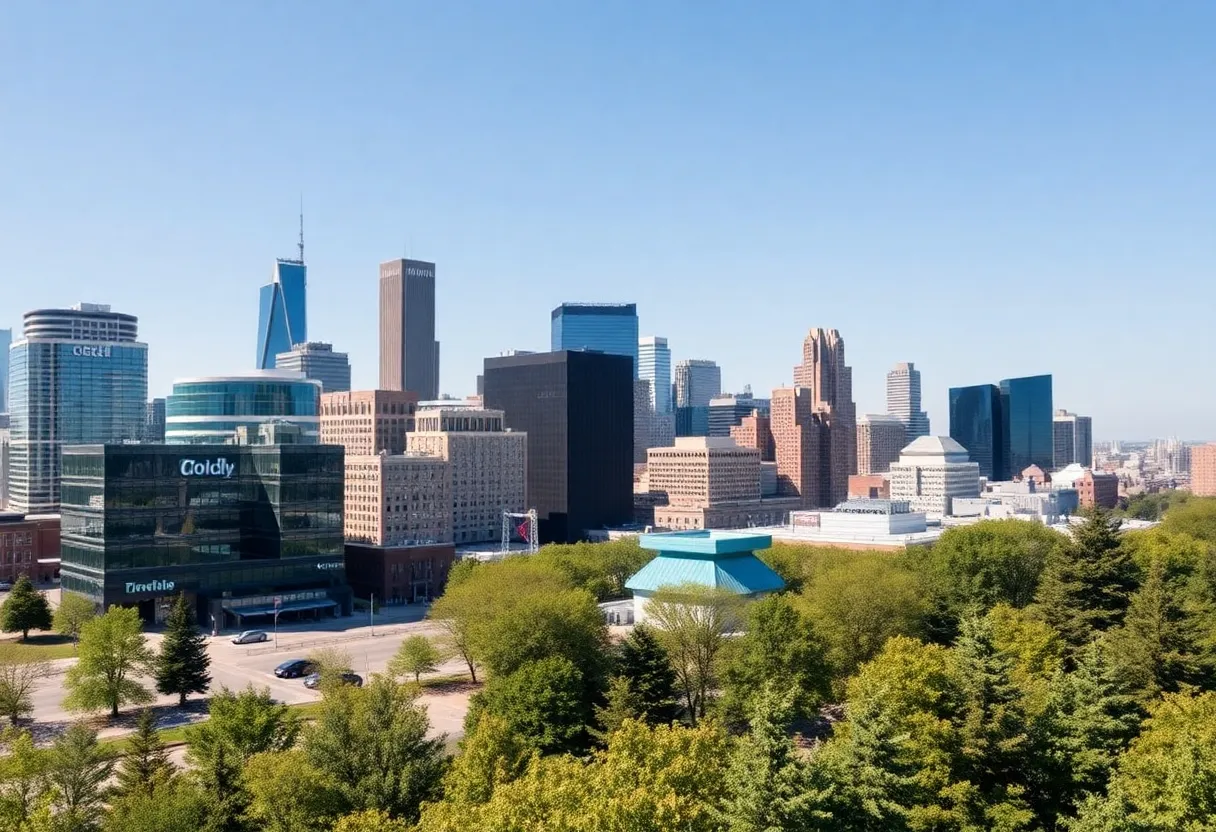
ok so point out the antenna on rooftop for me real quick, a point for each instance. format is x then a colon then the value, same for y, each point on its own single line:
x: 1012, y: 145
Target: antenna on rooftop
x: 301, y: 244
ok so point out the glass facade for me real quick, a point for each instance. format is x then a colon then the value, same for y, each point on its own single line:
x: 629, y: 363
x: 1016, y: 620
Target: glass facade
x: 65, y: 393
x: 654, y: 365
x: 211, y: 410
x: 1027, y: 415
x: 220, y: 522
x: 608, y: 328
x: 976, y: 424
x: 282, y: 312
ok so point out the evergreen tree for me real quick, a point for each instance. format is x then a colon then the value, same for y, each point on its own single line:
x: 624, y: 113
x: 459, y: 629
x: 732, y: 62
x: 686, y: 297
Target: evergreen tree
x: 24, y: 609
x: 1158, y: 647
x: 77, y: 769
x: 622, y: 704
x: 644, y: 662
x: 1086, y: 586
x: 183, y: 664
x: 146, y: 763
x: 225, y: 794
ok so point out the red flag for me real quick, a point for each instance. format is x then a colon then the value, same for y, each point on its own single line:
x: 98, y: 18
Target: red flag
x: 522, y: 528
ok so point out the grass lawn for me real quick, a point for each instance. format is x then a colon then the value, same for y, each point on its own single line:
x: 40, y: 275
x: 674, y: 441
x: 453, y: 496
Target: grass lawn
x: 38, y: 646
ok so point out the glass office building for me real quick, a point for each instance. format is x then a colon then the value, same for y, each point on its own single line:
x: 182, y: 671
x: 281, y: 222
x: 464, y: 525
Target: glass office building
x: 219, y: 409
x: 77, y: 376
x: 1027, y: 430
x: 232, y: 527
x: 976, y: 423
x: 654, y: 365
x: 610, y: 328
x: 282, y: 311
x: 317, y: 360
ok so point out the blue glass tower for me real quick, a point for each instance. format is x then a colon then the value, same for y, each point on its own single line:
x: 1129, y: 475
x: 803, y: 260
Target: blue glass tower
x: 282, y: 311
x: 976, y: 424
x: 212, y: 409
x: 610, y: 328
x: 1026, y: 420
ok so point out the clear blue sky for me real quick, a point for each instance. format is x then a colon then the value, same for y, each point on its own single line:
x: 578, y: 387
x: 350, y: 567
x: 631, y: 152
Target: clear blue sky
x: 987, y: 189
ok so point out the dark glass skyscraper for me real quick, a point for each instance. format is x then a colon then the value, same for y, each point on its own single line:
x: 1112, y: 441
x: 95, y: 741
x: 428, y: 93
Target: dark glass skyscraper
x: 976, y: 424
x: 282, y: 311
x: 1026, y: 416
x: 603, y: 327
x: 577, y: 409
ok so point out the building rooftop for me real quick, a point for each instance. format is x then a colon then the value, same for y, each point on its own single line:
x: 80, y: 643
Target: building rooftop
x: 934, y: 446
x: 709, y: 558
x: 709, y: 543
x: 866, y: 506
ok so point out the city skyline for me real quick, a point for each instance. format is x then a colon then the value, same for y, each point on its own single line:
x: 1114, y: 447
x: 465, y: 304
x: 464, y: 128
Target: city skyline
x: 942, y: 193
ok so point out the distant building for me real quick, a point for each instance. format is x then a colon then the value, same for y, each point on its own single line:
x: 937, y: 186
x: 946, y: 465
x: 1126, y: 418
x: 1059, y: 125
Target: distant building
x: 798, y: 441
x: 755, y: 431
x: 654, y: 365
x: 398, y: 574
x: 577, y: 409
x: 643, y: 420
x: 208, y: 410
x: 318, y: 361
x: 880, y: 438
x: 29, y: 545
x: 1098, y: 489
x: 697, y: 381
x: 976, y: 425
x: 931, y: 472
x: 610, y: 328
x: 692, y: 421
x: 409, y: 353
x: 1026, y: 413
x: 870, y: 487
x: 1203, y: 470
x: 368, y: 422
x: 154, y: 422
x: 829, y: 380
x: 903, y: 399
x: 6, y: 340
x: 860, y: 524
x: 5, y: 465
x: 282, y: 310
x: 398, y: 499
x: 728, y: 411
x: 1073, y: 439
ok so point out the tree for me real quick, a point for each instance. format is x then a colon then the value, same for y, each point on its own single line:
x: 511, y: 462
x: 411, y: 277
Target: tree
x: 183, y: 663
x: 17, y: 683
x: 490, y: 755
x: 330, y: 662
x: 73, y: 611
x: 77, y: 768
x: 24, y: 609
x: 692, y: 623
x: 289, y: 794
x: 641, y: 659
x: 543, y: 702
x: 1086, y: 586
x: 219, y: 776
x: 371, y: 820
x: 416, y: 655
x: 372, y: 742
x: 145, y: 765
x: 22, y: 779
x: 175, y: 805
x: 242, y: 724
x: 621, y: 704
x: 779, y: 649
x: 112, y: 651
x: 1034, y: 648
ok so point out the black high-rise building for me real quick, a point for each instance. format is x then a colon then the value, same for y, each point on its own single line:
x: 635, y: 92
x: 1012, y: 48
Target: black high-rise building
x: 1007, y: 427
x: 976, y: 423
x: 577, y: 409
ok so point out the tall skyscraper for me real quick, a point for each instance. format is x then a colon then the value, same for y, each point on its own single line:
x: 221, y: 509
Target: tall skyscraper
x: 409, y: 353
x: 823, y: 371
x: 6, y: 341
x: 79, y: 377
x: 654, y: 365
x: 977, y: 425
x: 1073, y: 439
x: 577, y: 409
x: 603, y: 327
x: 283, y: 310
x: 697, y: 381
x: 154, y: 422
x: 798, y: 439
x: 318, y: 361
x: 903, y: 399
x: 1026, y: 415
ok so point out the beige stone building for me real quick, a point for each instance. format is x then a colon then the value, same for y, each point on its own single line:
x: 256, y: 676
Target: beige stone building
x: 398, y: 499
x: 368, y: 422
x: 489, y: 466
x: 1203, y: 470
x: 880, y: 438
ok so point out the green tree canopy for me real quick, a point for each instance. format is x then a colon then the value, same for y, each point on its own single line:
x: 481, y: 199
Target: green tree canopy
x: 416, y: 655
x: 242, y: 724
x: 73, y: 611
x: 288, y: 794
x: 491, y: 754
x: 598, y: 568
x: 182, y: 668
x: 177, y: 805
x: 1195, y: 517
x: 23, y: 789
x: 24, y: 609
x: 543, y: 702
x: 77, y: 769
x: 370, y: 820
x: 641, y: 659
x: 113, y: 653
x: 145, y: 765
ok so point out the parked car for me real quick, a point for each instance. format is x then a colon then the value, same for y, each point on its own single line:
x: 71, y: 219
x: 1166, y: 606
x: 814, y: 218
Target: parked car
x: 250, y: 637
x: 314, y: 680
x: 295, y: 668
x: 5, y: 586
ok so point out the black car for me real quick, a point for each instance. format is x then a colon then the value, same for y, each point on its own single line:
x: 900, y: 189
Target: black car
x: 295, y: 668
x: 313, y: 681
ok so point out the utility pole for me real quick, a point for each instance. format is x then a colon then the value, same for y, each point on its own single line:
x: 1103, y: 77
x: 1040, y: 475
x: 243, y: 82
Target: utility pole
x: 371, y: 615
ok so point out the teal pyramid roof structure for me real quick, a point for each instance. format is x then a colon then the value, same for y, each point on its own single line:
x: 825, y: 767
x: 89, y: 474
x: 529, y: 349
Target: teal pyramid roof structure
x: 720, y: 560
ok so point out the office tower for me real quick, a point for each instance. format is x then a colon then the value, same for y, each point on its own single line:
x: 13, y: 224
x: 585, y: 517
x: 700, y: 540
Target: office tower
x: 1073, y: 439
x: 1026, y: 416
x: 577, y: 410
x: 903, y: 399
x: 697, y: 381
x: 6, y: 341
x: 654, y: 365
x: 1203, y: 470
x: 213, y: 410
x: 823, y: 371
x: 643, y: 420
x: 798, y: 440
x: 5, y: 464
x: 489, y: 466
x: 154, y: 422
x: 756, y: 431
x: 976, y: 424
x: 409, y: 353
x: 318, y: 361
x: 610, y: 328
x: 368, y: 422
x: 283, y: 310
x: 931, y: 472
x: 727, y: 411
x: 398, y: 499
x: 79, y: 376
x: 880, y: 438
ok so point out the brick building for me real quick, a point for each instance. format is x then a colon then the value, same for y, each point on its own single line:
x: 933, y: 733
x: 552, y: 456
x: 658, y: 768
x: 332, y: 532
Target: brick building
x: 398, y: 574
x: 29, y: 545
x: 1097, y: 489
x: 368, y: 422
x: 755, y: 431
x: 1203, y: 470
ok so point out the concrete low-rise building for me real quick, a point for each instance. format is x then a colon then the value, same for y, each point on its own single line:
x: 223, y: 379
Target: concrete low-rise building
x: 884, y: 525
x: 931, y: 472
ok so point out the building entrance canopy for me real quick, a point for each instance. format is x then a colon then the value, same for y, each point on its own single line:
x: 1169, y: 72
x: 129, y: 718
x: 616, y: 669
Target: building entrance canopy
x: 292, y: 606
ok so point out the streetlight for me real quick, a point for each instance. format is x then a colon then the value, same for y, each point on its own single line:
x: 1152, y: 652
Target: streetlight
x: 278, y: 602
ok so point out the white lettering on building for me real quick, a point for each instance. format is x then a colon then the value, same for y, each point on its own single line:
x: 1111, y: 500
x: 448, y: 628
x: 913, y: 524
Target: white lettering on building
x: 151, y: 586
x: 92, y: 351
x: 332, y: 564
x: 207, y: 468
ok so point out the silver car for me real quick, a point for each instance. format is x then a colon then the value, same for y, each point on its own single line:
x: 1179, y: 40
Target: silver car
x: 250, y: 637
